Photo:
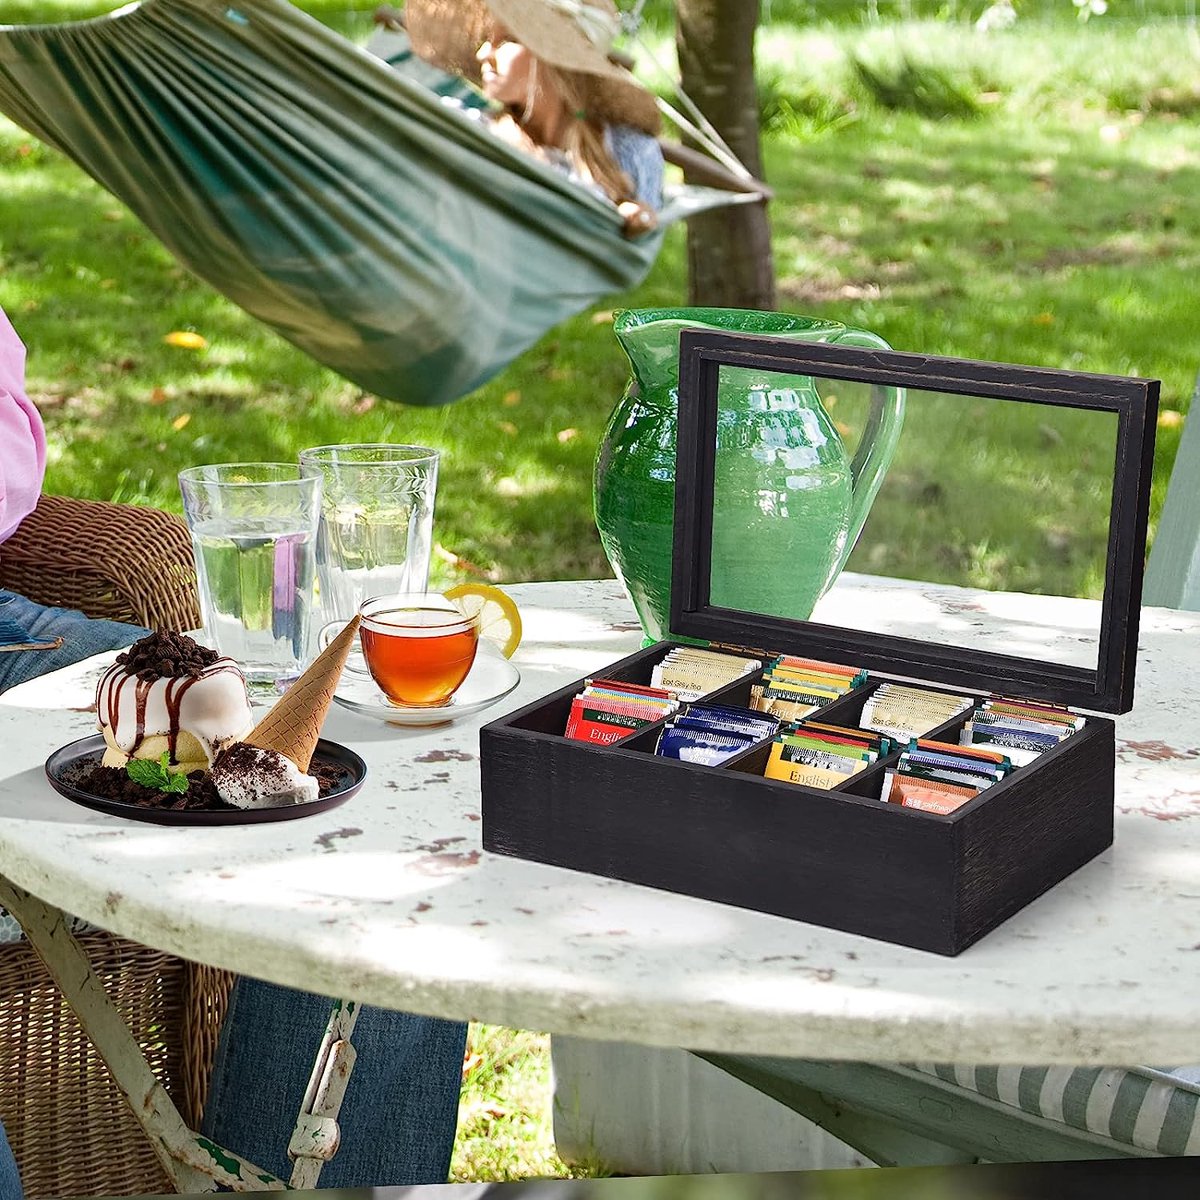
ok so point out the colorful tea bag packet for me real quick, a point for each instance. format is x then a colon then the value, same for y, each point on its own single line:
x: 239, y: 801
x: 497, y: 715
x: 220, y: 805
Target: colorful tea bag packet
x: 692, y: 672
x: 608, y: 709
x: 794, y: 688
x: 1018, y: 728
x: 940, y: 777
x: 711, y: 733
x: 905, y: 711
x: 823, y: 756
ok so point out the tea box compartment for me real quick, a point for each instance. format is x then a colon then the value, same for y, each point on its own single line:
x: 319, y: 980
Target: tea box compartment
x: 841, y: 858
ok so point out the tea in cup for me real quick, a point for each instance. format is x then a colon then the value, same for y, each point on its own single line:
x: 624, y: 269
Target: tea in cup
x: 418, y: 647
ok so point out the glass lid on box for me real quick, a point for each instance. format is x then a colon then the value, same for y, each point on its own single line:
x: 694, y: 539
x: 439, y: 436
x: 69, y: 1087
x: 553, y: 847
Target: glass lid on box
x: 930, y: 516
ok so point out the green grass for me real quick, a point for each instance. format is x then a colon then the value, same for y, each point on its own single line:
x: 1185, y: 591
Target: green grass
x: 1028, y: 197
x: 1040, y: 246
x: 504, y: 1117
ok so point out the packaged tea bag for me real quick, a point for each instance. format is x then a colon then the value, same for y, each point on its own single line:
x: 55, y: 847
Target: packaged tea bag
x: 693, y: 672
x: 795, y: 688
x: 607, y: 710
x: 711, y: 733
x: 905, y: 711
x: 698, y: 745
x: 821, y: 755
x: 809, y: 774
x: 941, y: 777
x: 1023, y: 730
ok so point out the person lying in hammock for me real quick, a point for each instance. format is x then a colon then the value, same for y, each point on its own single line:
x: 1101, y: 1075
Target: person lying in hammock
x: 547, y: 64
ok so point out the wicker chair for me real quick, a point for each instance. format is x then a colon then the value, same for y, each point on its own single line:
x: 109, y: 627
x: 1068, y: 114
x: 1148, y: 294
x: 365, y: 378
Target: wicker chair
x: 69, y: 1126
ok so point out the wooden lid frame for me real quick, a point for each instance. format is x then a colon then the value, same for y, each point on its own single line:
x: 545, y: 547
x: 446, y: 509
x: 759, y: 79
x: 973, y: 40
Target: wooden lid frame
x: 1108, y: 688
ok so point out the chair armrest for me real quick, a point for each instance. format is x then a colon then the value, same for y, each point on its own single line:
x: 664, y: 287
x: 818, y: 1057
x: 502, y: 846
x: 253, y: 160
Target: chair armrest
x: 107, y: 560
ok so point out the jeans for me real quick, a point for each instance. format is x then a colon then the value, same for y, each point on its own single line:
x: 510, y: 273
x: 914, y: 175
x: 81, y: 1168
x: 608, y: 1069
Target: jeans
x: 82, y: 637
x: 401, y: 1107
x: 10, y: 1179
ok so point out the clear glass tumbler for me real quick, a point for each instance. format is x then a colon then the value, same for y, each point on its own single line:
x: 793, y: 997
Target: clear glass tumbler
x: 376, y: 521
x: 254, y: 533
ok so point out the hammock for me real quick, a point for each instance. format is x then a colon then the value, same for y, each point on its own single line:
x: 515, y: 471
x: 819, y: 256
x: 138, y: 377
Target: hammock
x: 389, y: 236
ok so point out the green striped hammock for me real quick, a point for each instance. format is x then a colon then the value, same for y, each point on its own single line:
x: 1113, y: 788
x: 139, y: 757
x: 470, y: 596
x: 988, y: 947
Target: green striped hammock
x: 381, y: 231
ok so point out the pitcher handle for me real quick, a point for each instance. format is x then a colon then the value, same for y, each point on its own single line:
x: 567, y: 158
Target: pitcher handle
x: 877, y: 444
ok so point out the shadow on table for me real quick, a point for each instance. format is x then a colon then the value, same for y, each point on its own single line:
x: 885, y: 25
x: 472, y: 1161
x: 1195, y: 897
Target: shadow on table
x: 28, y: 796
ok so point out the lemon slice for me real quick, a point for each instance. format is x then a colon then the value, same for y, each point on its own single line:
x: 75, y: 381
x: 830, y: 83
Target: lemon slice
x: 499, y: 620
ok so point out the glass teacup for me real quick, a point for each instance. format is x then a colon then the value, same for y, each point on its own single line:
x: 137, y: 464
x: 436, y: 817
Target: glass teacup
x: 418, y: 647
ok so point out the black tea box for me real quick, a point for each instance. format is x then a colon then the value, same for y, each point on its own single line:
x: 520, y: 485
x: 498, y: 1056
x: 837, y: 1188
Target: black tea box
x: 842, y: 858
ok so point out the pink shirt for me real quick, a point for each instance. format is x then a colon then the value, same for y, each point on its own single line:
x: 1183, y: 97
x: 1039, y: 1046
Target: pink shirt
x: 22, y: 436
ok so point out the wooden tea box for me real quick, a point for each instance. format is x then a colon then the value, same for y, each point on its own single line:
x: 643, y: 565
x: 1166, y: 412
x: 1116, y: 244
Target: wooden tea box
x: 841, y: 858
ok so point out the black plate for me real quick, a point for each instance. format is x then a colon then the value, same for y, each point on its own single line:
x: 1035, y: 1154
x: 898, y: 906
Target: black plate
x: 70, y: 761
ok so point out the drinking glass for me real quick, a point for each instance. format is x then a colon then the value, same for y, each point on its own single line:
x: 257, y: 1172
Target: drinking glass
x: 254, y: 531
x: 376, y: 521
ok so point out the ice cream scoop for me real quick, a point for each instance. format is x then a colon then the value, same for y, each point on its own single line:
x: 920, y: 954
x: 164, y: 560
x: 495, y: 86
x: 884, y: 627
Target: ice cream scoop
x: 251, y: 777
x: 167, y: 692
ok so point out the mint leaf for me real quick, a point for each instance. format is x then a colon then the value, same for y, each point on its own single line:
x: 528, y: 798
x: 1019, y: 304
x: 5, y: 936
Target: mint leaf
x: 143, y: 771
x: 155, y: 774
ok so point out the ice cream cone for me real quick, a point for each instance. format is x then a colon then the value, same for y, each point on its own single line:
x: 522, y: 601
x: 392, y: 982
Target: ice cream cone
x: 294, y: 724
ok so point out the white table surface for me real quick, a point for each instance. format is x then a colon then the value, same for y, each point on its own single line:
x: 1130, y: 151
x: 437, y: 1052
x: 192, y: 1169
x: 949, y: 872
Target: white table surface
x: 391, y: 900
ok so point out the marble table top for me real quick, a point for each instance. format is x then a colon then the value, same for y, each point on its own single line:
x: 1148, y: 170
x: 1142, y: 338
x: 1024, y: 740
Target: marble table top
x: 390, y: 898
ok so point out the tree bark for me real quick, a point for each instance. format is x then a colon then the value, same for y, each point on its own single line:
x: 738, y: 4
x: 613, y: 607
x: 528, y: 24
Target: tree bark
x: 729, y: 251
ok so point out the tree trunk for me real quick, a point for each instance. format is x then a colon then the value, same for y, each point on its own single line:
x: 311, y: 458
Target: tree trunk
x: 729, y: 251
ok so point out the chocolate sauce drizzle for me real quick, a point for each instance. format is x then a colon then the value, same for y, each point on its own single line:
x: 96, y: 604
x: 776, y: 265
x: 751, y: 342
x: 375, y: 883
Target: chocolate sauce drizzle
x: 117, y: 677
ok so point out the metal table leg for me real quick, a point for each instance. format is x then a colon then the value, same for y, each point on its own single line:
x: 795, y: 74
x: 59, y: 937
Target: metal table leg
x: 316, y: 1136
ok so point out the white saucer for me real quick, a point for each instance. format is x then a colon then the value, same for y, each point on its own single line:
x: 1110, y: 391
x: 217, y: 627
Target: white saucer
x: 492, y: 677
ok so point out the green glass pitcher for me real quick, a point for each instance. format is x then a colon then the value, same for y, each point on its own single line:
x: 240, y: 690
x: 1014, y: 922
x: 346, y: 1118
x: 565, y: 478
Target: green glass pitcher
x: 789, y: 501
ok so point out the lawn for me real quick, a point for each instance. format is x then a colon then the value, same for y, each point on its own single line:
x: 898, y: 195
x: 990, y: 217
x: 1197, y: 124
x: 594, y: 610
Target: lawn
x: 1027, y: 196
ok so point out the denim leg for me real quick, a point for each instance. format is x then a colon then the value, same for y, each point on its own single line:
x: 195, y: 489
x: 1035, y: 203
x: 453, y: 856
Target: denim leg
x: 82, y: 637
x: 10, y: 1179
x: 401, y: 1108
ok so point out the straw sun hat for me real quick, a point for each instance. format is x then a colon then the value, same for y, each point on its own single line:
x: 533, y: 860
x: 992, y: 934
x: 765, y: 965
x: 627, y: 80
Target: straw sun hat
x: 572, y: 35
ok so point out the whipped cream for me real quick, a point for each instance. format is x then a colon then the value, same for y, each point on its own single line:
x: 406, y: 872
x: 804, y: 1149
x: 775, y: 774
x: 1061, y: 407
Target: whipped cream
x: 212, y: 706
x: 250, y: 777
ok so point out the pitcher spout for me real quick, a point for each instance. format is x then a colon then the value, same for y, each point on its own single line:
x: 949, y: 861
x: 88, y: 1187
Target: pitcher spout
x: 650, y: 339
x: 650, y: 336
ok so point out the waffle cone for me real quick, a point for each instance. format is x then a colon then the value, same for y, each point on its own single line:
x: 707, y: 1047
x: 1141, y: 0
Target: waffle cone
x: 293, y: 726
